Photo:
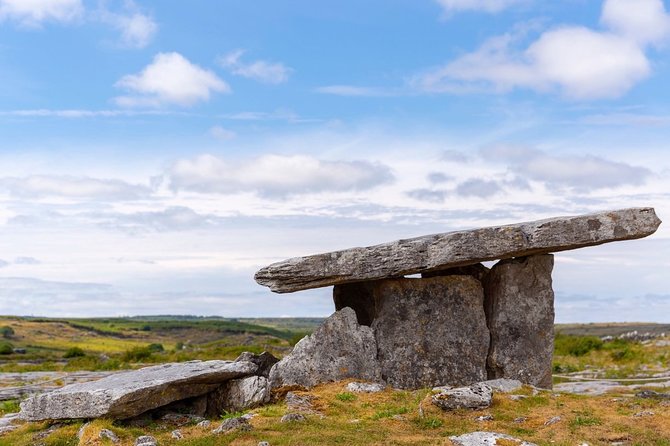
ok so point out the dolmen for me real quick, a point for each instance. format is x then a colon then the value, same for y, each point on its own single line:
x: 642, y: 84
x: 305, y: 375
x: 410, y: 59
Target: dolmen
x: 457, y: 324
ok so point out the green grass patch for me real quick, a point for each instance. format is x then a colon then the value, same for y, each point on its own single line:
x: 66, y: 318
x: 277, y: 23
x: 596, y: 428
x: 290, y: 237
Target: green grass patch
x: 346, y: 396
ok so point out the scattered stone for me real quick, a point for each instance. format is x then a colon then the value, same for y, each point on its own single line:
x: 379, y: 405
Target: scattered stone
x: 520, y: 314
x: 484, y: 418
x: 520, y: 420
x: 476, y: 396
x: 107, y: 434
x: 504, y: 385
x: 146, y: 440
x: 430, y: 332
x: 125, y: 395
x: 487, y: 438
x: 177, y: 435
x: 552, y: 420
x: 443, y: 251
x: 239, y: 394
x: 644, y: 413
x: 263, y: 443
x: 357, y: 387
x: 653, y: 395
x: 230, y: 424
x: 264, y: 361
x: 204, y: 424
x: 293, y: 417
x: 517, y: 397
x: 337, y: 350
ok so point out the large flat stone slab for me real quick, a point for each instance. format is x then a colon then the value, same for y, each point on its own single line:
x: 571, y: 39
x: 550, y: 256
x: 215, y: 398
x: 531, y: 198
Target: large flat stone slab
x: 128, y: 394
x: 520, y: 314
x: 452, y: 249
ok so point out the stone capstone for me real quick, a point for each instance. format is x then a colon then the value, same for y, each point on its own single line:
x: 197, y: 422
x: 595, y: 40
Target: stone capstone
x: 476, y: 396
x: 442, y: 251
x: 339, y: 349
x: 429, y: 331
x: 125, y: 395
x: 487, y: 439
x: 520, y: 315
x: 239, y: 394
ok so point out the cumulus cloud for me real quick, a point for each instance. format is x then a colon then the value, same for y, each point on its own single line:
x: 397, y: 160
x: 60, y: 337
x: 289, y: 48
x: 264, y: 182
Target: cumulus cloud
x: 170, y: 79
x: 275, y: 175
x: 259, y: 70
x: 40, y: 186
x: 583, y: 172
x: 32, y: 13
x: 137, y: 29
x: 580, y: 62
x: 476, y: 187
x: 428, y: 195
x: 450, y: 6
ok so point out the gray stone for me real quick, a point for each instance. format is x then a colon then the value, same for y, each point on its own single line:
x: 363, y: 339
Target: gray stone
x: 292, y: 418
x: 520, y: 314
x: 109, y: 435
x: 476, y: 396
x: 453, y: 249
x: 204, y: 424
x: 299, y: 403
x: 478, y: 271
x: 263, y: 443
x: 146, y: 440
x: 365, y: 387
x: 233, y: 424
x: 430, y: 332
x: 176, y: 434
x: 264, y: 361
x: 504, y: 385
x: 239, y: 394
x: 552, y: 420
x: 486, y: 439
x: 339, y: 349
x: 125, y: 395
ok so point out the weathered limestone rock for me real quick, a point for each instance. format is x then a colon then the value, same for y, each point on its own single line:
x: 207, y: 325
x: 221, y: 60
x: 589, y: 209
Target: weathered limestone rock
x: 476, y: 396
x: 357, y: 387
x: 429, y: 331
x: 487, y: 439
x: 264, y: 361
x: 340, y: 348
x: 128, y: 394
x: 520, y: 314
x: 146, y: 440
x: 478, y: 271
x: 452, y: 249
x: 504, y: 385
x: 239, y: 394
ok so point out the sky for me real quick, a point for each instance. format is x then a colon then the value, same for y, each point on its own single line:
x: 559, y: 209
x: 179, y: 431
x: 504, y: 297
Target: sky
x: 154, y: 155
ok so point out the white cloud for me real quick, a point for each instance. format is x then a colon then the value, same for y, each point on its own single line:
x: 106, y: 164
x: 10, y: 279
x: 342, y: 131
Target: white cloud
x: 32, y: 13
x: 476, y: 5
x: 642, y: 21
x: 275, y: 175
x: 221, y: 133
x: 580, y: 62
x: 170, y: 79
x: 137, y: 29
x: 39, y: 186
x: 259, y: 70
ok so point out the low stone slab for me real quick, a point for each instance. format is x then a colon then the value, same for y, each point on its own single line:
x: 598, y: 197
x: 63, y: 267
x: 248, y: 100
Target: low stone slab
x: 520, y: 314
x: 128, y: 394
x: 339, y: 349
x: 452, y: 249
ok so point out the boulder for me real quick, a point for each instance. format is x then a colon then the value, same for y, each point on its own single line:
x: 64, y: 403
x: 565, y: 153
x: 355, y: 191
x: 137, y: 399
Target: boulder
x: 264, y: 361
x: 339, y: 349
x: 125, y: 395
x: 520, y: 313
x: 453, y: 249
x: 430, y: 332
x: 476, y: 396
x: 238, y: 394
x: 487, y: 439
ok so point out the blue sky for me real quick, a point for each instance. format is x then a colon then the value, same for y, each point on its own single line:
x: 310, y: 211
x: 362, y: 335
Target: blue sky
x: 155, y: 154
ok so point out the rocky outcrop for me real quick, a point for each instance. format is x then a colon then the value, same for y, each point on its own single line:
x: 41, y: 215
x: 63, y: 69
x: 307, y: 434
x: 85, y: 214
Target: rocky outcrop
x: 339, y: 349
x: 520, y: 314
x: 452, y: 249
x: 239, y: 394
x: 125, y: 395
x: 430, y: 332
x: 264, y: 361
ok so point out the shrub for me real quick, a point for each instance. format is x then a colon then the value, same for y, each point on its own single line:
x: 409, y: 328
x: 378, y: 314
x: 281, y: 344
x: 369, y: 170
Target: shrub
x: 576, y: 345
x: 74, y: 352
x: 6, y: 348
x: 156, y: 347
x: 6, y: 332
x: 136, y: 354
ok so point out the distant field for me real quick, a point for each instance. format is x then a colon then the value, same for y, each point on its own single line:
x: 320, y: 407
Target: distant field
x: 611, y: 329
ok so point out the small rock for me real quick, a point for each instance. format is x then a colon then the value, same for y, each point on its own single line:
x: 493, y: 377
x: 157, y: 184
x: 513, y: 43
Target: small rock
x: 552, y: 420
x: 485, y: 439
x: 504, y: 385
x: 520, y: 420
x: 517, y: 397
x: 292, y: 417
x: 106, y: 433
x: 204, y: 424
x: 652, y: 394
x: 365, y: 387
x: 484, y: 418
x: 644, y: 413
x: 399, y: 417
x: 177, y: 435
x: 230, y: 424
x: 476, y: 396
x: 263, y: 443
x: 146, y: 440
x: 7, y: 429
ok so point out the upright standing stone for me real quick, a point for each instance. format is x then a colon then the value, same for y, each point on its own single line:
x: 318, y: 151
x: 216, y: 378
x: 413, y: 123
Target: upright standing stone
x: 429, y: 332
x: 520, y: 313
